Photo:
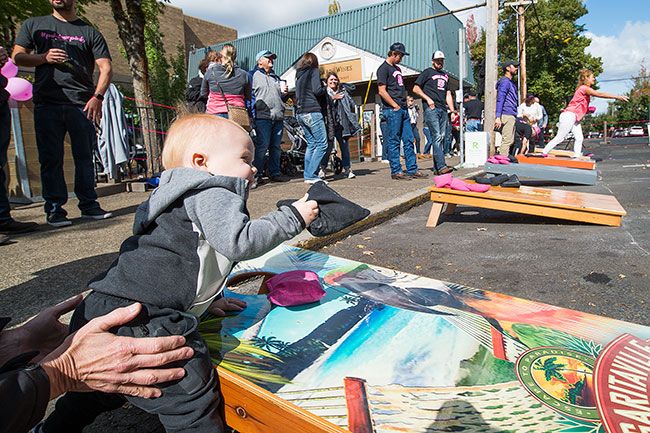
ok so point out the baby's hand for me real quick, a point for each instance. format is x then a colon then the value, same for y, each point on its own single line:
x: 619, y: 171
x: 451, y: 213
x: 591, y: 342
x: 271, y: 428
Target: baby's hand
x: 308, y: 209
x: 221, y: 305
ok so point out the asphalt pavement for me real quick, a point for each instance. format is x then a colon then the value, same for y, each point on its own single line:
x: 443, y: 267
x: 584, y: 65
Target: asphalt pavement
x: 596, y: 269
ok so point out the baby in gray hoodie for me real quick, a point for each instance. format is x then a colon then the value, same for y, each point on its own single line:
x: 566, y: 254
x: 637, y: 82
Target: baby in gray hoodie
x: 186, y: 239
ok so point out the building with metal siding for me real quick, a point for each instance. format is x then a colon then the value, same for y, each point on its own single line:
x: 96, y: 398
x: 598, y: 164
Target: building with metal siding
x: 361, y: 28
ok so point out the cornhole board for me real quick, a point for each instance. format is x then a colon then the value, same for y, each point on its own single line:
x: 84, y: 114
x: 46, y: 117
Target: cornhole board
x: 545, y: 172
x: 385, y: 351
x: 558, y: 161
x: 553, y: 203
x: 563, y: 153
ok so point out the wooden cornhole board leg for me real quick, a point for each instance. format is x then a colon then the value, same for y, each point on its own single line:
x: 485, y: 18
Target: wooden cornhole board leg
x: 434, y: 215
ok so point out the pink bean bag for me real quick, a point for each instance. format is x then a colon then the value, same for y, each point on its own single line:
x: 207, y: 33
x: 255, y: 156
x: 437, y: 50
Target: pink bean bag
x: 443, y: 180
x: 478, y: 187
x: 502, y: 157
x: 294, y: 288
x: 459, y: 185
x: 493, y: 160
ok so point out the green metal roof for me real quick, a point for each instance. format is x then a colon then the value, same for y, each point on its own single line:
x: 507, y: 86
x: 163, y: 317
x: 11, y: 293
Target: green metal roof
x: 361, y: 28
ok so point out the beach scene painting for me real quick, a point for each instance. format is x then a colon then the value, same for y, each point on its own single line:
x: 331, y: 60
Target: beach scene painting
x: 386, y: 351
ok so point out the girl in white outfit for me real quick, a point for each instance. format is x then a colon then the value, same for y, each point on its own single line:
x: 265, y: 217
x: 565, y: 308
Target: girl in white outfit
x: 576, y: 110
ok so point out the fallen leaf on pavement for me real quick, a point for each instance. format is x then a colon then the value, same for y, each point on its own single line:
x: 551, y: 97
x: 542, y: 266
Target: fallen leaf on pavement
x: 361, y: 246
x: 368, y: 253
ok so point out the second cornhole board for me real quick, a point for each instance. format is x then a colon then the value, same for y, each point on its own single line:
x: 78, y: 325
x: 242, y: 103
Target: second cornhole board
x: 564, y: 153
x: 545, y: 172
x: 558, y: 161
x: 553, y: 203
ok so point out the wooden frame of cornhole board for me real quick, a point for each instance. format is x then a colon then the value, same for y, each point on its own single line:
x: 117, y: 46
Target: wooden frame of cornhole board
x: 358, y: 360
x: 552, y: 203
x: 558, y: 161
x: 543, y: 172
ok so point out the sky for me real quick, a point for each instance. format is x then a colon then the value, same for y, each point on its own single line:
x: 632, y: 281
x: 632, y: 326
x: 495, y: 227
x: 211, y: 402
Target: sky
x: 620, y: 30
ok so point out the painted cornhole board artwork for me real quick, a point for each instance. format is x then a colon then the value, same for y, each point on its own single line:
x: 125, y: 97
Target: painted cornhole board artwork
x: 553, y: 203
x: 545, y: 172
x: 558, y: 161
x: 385, y: 351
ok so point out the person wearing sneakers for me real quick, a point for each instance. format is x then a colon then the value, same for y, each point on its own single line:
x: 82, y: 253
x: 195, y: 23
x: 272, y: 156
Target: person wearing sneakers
x: 269, y: 95
x: 398, y: 123
x: 507, y: 103
x: 576, y: 110
x: 433, y: 87
x: 8, y: 225
x: 65, y: 50
x: 347, y: 123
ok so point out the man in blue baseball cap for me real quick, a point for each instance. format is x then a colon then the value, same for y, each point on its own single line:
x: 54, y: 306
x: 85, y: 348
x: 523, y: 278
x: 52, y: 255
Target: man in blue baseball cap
x: 398, y: 123
x: 269, y: 94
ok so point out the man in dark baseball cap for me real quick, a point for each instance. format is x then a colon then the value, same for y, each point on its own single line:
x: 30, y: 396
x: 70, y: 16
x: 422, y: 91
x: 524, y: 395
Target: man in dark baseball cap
x: 400, y: 48
x: 510, y: 63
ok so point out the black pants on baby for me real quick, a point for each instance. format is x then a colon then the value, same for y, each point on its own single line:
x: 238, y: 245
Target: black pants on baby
x: 192, y: 404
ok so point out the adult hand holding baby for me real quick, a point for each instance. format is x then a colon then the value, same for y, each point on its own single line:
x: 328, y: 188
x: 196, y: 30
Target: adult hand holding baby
x: 308, y: 209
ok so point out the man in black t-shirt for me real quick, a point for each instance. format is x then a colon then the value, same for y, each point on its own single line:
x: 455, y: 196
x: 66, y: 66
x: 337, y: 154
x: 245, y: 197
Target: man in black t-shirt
x: 398, y: 124
x: 473, y: 113
x: 64, y: 50
x: 433, y: 87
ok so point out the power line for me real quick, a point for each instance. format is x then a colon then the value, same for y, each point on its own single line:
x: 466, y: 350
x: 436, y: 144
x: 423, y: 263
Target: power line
x: 623, y: 79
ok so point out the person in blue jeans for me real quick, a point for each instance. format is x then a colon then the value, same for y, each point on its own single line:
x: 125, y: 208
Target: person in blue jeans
x: 398, y: 122
x: 311, y: 103
x: 268, y: 101
x: 429, y: 140
x: 473, y: 113
x: 65, y: 101
x: 433, y: 87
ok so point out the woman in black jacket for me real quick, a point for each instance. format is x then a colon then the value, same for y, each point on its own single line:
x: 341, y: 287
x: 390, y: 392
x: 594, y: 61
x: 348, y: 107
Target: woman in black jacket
x: 344, y: 118
x: 311, y: 102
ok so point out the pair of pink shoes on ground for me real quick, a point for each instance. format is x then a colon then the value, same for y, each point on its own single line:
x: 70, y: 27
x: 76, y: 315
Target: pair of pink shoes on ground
x: 499, y: 159
x: 449, y: 181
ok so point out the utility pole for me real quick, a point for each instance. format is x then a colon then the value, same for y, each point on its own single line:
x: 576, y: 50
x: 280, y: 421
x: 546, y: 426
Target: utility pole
x: 491, y: 35
x: 520, y: 7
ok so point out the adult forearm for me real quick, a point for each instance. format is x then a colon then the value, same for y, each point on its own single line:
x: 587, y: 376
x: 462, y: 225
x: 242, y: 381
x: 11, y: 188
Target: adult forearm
x: 387, y: 98
x: 450, y: 102
x: 29, y: 60
x: 104, y: 80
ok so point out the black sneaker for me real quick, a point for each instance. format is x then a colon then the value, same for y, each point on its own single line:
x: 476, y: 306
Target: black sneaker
x: 96, y: 214
x: 16, y: 227
x: 58, y: 220
x: 280, y: 178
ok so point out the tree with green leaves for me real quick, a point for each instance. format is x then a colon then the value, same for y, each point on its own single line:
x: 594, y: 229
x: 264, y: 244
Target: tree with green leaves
x: 555, y: 48
x: 638, y: 107
x: 333, y: 8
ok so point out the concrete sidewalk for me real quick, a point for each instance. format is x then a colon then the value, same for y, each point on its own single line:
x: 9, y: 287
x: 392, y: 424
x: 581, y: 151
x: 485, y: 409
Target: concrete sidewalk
x: 51, y: 265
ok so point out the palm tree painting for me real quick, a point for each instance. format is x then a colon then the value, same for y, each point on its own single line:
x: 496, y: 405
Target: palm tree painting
x: 566, y: 379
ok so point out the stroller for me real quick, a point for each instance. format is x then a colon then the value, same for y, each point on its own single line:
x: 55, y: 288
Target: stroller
x: 296, y: 153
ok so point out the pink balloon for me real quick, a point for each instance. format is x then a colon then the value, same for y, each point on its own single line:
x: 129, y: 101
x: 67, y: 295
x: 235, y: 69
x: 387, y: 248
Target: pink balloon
x: 10, y: 69
x: 19, y: 89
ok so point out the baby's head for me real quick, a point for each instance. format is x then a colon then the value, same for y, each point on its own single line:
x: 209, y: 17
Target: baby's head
x: 209, y: 143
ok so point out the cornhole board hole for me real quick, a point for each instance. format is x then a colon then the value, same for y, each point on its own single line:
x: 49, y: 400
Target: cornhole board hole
x: 553, y: 203
x: 544, y: 172
x: 385, y: 351
x: 558, y: 161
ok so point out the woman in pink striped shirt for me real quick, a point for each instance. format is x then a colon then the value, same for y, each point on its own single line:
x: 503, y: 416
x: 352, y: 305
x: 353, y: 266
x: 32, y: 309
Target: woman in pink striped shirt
x: 576, y: 110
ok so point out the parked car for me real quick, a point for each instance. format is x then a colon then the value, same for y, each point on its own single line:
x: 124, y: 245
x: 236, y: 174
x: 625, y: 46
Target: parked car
x: 636, y: 130
x: 619, y: 133
x: 594, y: 134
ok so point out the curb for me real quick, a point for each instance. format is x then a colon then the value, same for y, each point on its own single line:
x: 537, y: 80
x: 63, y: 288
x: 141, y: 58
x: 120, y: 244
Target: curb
x: 379, y: 214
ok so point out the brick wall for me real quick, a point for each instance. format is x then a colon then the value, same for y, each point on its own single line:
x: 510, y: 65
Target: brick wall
x: 176, y: 28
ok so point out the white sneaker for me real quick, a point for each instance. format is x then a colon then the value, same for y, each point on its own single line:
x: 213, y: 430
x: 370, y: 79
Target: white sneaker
x: 350, y: 174
x: 321, y: 173
x: 312, y: 181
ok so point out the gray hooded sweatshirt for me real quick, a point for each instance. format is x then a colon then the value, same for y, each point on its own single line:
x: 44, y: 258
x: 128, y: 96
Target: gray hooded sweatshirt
x: 186, y: 239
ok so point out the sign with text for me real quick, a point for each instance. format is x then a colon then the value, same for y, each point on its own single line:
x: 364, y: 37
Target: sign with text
x: 348, y: 71
x: 623, y: 385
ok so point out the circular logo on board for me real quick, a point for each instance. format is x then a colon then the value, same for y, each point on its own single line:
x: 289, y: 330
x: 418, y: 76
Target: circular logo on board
x: 561, y: 379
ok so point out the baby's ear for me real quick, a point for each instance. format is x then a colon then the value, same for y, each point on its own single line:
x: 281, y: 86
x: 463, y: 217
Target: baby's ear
x: 199, y: 160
